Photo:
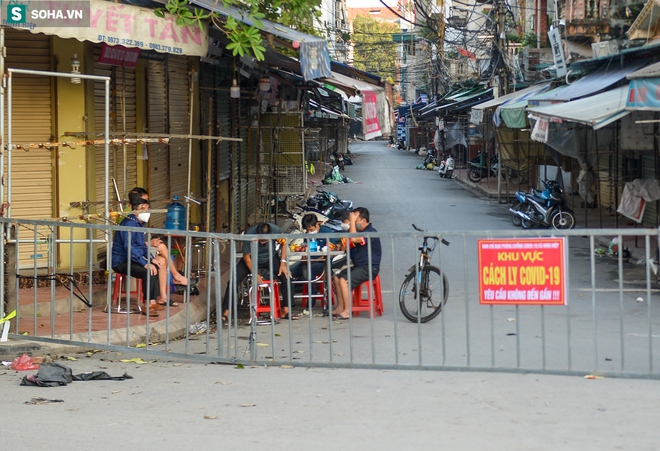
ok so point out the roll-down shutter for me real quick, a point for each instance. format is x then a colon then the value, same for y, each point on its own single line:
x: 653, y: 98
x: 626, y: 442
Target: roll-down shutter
x: 216, y: 115
x: 32, y: 172
x: 123, y: 162
x: 157, y: 123
x: 179, y: 121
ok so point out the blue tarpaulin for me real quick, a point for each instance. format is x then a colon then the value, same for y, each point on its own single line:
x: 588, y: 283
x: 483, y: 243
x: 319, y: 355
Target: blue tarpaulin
x: 599, y: 80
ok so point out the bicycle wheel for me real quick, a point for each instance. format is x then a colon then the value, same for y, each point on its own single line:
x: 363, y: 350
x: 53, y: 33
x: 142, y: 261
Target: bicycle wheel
x: 423, y: 305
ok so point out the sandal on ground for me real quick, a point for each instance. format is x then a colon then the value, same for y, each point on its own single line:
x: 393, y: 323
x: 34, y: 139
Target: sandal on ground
x: 192, y: 281
x: 340, y: 318
x: 225, y: 320
x: 152, y: 311
x: 288, y: 316
x: 172, y: 303
x: 182, y: 289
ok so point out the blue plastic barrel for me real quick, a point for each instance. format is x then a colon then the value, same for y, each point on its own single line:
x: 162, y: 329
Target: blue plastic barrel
x: 176, y: 216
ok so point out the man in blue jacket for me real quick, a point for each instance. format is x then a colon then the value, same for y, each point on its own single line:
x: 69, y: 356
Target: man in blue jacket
x: 142, y: 265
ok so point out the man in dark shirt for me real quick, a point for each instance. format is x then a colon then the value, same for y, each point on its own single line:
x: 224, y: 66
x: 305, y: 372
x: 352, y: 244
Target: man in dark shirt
x: 359, y: 255
x: 245, y: 265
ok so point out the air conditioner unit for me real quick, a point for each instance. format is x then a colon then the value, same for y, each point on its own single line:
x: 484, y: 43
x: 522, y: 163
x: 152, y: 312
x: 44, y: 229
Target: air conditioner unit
x: 605, y: 48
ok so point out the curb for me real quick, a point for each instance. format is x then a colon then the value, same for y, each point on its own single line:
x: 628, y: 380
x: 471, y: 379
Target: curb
x: 475, y: 188
x: 193, y: 311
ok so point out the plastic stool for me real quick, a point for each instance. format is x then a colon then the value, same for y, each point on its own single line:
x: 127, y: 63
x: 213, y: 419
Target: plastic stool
x: 361, y: 304
x: 274, y: 298
x: 317, y: 282
x: 119, y: 288
x: 320, y: 293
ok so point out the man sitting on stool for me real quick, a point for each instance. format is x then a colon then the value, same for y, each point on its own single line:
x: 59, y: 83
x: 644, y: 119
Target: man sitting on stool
x: 142, y: 266
x: 359, y: 256
x: 245, y: 266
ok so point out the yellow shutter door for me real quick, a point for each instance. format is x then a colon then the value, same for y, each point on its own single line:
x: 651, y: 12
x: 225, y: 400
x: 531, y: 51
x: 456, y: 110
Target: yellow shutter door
x: 32, y: 172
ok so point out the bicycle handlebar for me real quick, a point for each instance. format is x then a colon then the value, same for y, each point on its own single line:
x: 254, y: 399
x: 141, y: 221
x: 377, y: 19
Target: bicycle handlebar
x: 442, y: 240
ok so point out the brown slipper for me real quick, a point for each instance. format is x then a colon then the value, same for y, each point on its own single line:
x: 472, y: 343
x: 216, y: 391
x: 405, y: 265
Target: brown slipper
x: 152, y: 312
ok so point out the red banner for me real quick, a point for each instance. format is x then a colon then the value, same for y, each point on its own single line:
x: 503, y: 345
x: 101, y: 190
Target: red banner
x: 370, y: 115
x: 522, y: 271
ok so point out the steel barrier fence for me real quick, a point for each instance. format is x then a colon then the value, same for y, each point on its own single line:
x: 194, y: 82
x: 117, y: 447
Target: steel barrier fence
x: 607, y: 327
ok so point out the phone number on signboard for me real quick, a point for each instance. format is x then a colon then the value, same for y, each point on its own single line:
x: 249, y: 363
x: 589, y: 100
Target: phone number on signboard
x: 113, y: 40
x: 136, y: 43
x: 165, y: 48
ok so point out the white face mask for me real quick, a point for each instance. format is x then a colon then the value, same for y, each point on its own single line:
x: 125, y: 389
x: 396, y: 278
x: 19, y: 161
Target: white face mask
x: 144, y: 217
x: 313, y: 232
x: 345, y: 226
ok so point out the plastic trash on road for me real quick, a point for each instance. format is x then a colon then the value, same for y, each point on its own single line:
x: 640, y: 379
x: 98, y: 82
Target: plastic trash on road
x: 197, y: 328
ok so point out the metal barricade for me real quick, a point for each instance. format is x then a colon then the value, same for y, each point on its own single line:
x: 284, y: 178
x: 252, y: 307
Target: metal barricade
x: 607, y: 327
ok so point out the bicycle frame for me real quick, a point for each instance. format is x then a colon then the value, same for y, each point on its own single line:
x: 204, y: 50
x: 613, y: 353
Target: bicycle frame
x: 425, y: 256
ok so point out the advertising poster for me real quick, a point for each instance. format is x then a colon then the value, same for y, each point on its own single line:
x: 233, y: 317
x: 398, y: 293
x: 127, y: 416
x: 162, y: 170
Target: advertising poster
x: 370, y: 115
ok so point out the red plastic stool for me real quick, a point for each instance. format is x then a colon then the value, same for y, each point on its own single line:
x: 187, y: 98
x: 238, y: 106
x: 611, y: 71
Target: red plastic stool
x: 319, y: 283
x: 119, y: 288
x: 274, y: 298
x: 320, y: 289
x: 361, y: 304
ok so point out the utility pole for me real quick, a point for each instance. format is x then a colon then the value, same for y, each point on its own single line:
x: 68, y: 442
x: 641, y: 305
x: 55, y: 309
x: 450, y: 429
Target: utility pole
x: 411, y: 66
x: 503, y: 72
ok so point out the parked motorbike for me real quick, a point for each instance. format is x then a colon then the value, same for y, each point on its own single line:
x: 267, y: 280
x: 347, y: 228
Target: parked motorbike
x: 328, y: 204
x: 544, y: 210
x: 541, y: 196
x: 337, y: 159
x: 446, y: 168
x: 479, y: 169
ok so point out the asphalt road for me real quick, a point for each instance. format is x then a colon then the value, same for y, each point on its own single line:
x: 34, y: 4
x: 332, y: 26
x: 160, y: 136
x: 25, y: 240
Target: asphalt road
x: 176, y: 404
x: 599, y: 331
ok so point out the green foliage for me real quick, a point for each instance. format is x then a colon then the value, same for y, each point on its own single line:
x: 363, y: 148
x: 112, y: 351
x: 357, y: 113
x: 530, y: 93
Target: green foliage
x: 528, y: 39
x: 247, y: 40
x: 184, y: 16
x: 375, y: 51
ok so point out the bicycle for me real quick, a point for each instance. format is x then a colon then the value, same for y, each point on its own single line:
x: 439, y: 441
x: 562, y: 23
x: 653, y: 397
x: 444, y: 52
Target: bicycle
x: 425, y: 279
